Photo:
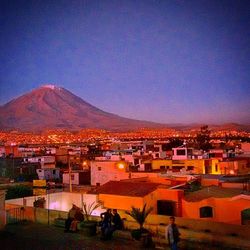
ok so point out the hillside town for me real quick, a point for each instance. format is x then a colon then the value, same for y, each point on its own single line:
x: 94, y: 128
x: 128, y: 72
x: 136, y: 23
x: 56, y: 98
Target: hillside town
x: 201, y: 179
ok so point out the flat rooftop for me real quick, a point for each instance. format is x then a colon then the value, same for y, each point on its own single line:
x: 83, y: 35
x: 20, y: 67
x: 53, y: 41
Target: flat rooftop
x: 212, y: 192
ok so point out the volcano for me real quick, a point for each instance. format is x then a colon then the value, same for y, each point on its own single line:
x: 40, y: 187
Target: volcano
x: 52, y: 107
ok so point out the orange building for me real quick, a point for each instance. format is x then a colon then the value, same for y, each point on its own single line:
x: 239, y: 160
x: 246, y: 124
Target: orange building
x: 123, y: 195
x: 217, y: 204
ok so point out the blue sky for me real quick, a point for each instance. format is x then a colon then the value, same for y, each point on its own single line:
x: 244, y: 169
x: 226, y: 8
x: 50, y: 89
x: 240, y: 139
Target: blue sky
x: 163, y: 61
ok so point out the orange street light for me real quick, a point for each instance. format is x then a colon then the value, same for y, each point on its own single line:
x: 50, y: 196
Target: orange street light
x: 121, y: 165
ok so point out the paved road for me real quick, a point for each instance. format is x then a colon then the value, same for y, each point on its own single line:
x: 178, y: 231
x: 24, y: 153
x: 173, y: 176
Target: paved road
x: 31, y: 236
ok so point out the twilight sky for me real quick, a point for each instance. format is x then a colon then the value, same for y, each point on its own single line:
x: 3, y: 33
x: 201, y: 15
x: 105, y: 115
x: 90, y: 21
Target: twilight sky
x: 164, y: 61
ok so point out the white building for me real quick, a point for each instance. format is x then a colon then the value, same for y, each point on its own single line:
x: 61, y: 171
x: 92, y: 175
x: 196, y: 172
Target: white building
x: 28, y: 151
x: 105, y: 171
x: 47, y: 161
x: 48, y: 173
x: 77, y: 178
x: 2, y: 151
x: 182, y: 153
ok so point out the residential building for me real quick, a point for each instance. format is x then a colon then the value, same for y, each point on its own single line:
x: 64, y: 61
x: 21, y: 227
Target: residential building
x: 125, y: 194
x: 79, y: 177
x: 48, y: 173
x: 217, y: 204
x: 46, y: 161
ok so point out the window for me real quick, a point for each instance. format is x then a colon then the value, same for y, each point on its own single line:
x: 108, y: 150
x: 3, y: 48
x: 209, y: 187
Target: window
x: 162, y: 168
x: 148, y: 166
x: 216, y: 167
x: 176, y: 168
x: 181, y: 152
x: 165, y: 207
x: 178, y: 162
x: 136, y: 161
x: 99, y: 168
x: 189, y: 168
x: 245, y: 217
x: 72, y: 177
x: 54, y: 171
x: 206, y: 212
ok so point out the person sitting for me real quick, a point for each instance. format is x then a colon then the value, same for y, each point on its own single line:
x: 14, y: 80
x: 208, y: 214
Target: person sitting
x: 71, y: 216
x: 106, y: 224
x: 78, y: 218
x: 116, y: 220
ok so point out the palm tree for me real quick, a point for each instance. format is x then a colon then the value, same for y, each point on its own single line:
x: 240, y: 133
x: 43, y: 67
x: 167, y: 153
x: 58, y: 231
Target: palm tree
x: 88, y: 210
x: 140, y: 215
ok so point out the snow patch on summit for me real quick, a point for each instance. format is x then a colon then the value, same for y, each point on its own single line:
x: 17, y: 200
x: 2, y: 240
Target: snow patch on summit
x: 50, y: 86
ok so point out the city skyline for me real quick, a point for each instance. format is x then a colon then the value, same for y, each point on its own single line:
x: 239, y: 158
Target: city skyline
x: 166, y: 62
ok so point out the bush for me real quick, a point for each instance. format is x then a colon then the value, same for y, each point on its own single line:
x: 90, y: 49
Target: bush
x: 18, y: 191
x: 234, y: 234
x: 207, y: 230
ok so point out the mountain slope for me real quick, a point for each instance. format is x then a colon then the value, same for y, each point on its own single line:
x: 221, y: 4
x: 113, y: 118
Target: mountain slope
x: 50, y: 107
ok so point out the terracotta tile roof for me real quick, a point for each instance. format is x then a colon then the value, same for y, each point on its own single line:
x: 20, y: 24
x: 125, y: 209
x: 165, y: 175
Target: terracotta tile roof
x: 136, y: 189
x: 212, y: 192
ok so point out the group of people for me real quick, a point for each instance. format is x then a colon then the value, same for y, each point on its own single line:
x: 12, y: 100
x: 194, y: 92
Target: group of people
x: 110, y: 221
x: 75, y: 216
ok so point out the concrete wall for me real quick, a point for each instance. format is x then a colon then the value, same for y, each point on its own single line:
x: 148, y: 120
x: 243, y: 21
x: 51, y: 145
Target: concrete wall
x: 195, y: 230
x: 2, y: 210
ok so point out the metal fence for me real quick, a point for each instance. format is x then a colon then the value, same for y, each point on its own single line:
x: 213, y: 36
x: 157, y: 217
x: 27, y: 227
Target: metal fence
x: 15, y: 215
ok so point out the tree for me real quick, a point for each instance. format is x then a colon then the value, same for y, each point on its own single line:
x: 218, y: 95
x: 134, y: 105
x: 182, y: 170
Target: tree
x: 140, y: 215
x: 203, y: 138
x: 173, y: 143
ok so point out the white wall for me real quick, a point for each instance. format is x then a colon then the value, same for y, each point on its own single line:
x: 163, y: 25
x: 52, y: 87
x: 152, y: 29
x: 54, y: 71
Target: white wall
x: 108, y: 171
x: 74, y: 181
x: 61, y: 201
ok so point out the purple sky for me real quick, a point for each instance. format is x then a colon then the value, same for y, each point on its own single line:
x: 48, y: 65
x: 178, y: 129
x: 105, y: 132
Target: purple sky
x: 163, y: 61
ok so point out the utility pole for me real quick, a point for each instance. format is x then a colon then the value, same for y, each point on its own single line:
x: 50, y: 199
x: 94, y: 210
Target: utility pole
x: 13, y: 167
x: 70, y: 181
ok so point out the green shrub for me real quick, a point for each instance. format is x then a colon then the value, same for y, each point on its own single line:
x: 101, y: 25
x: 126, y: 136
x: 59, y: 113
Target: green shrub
x: 18, y: 191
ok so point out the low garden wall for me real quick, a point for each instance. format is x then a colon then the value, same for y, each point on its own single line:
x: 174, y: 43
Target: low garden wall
x: 191, y: 230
